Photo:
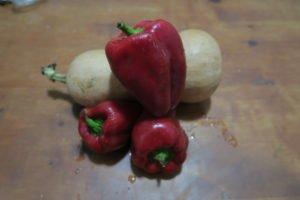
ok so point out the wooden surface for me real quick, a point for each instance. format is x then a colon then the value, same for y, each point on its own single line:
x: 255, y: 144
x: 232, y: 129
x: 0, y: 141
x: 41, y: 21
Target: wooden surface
x: 246, y: 148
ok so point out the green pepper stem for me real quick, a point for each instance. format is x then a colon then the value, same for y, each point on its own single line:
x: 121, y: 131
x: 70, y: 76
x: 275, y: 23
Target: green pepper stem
x: 95, y: 125
x: 50, y: 72
x: 163, y: 156
x: 128, y: 30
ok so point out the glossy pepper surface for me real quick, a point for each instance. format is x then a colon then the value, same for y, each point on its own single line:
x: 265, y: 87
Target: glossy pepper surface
x: 149, y: 61
x: 106, y: 127
x: 158, y: 145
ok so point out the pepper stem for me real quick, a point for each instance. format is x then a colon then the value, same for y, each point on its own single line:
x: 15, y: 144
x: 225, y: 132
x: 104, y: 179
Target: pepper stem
x: 51, y: 74
x: 95, y: 125
x: 163, y: 156
x: 128, y: 30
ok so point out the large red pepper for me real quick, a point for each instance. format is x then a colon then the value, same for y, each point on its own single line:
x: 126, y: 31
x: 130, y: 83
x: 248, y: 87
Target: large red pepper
x: 158, y: 145
x: 149, y: 61
x: 106, y: 127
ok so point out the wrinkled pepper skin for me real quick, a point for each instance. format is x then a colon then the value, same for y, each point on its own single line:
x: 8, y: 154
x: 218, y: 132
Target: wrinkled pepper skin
x: 118, y: 119
x: 151, y: 135
x: 150, y: 64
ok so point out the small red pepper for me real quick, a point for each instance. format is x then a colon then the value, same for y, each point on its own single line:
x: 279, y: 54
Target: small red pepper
x: 106, y: 127
x: 158, y: 145
x: 149, y: 61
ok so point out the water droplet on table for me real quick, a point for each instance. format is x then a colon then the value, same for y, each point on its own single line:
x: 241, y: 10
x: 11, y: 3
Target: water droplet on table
x: 77, y: 170
x: 192, y: 136
x: 131, y: 178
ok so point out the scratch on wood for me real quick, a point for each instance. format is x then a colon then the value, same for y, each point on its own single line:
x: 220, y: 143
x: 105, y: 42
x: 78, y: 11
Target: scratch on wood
x: 1, y: 111
x: 252, y: 43
x: 259, y: 80
x: 216, y: 1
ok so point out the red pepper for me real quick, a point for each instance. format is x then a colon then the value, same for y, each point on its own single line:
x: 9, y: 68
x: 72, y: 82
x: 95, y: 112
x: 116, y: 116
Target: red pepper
x: 149, y: 61
x: 106, y: 127
x: 158, y: 145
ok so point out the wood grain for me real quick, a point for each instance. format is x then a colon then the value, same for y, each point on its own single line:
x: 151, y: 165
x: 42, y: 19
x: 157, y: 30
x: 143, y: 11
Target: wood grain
x: 246, y: 148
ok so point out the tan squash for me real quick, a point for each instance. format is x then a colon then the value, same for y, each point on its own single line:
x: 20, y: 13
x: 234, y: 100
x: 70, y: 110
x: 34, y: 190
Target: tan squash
x: 203, y: 59
x: 90, y: 80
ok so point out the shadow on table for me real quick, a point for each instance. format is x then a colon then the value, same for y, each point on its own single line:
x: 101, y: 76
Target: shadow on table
x: 139, y: 173
x: 56, y: 94
x: 103, y: 159
x: 193, y: 111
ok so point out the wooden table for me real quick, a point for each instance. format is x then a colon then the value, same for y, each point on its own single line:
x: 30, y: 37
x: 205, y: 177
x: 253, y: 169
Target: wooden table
x: 247, y: 146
